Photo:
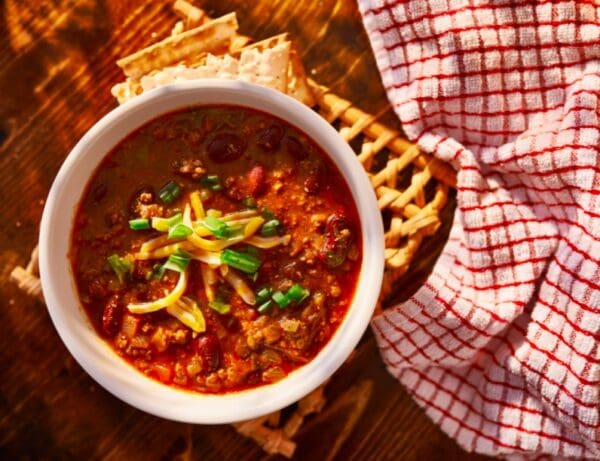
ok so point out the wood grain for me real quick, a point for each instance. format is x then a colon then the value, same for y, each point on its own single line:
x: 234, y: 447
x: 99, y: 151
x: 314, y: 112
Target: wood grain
x: 56, y: 69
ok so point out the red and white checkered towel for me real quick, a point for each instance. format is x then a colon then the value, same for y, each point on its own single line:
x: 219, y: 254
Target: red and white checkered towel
x: 500, y: 346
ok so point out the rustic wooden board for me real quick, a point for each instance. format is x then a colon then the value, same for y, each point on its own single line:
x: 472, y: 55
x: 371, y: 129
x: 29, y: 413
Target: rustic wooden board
x: 56, y: 69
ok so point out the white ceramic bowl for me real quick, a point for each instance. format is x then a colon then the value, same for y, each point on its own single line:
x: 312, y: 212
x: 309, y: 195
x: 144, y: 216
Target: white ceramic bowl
x: 97, y: 357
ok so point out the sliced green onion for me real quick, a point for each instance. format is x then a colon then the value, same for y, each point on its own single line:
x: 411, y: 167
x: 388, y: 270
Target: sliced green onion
x: 249, y: 202
x: 254, y: 277
x: 297, y: 293
x: 139, y: 224
x: 270, y: 228
x: 178, y: 261
x: 217, y: 227
x: 180, y: 231
x: 242, y: 261
x: 169, y: 192
x: 164, y: 224
x: 263, y: 295
x: 265, y: 307
x: 211, y: 182
x: 121, y: 266
x: 219, y: 306
x: 281, y: 299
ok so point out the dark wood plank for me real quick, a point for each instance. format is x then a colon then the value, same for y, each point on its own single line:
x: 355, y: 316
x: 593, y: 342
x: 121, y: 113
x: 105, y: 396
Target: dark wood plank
x: 56, y: 70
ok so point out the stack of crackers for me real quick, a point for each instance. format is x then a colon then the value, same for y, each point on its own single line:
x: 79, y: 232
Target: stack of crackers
x: 201, y: 47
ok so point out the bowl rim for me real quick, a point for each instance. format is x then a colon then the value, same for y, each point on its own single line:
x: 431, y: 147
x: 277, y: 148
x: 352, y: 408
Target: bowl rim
x: 99, y: 359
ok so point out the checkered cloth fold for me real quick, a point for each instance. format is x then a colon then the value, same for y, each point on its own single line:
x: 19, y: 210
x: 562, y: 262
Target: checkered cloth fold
x: 500, y: 346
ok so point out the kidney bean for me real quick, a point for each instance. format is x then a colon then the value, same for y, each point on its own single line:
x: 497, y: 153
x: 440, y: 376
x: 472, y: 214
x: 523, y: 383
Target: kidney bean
x: 314, y: 176
x: 338, y: 238
x: 111, y: 316
x: 256, y: 180
x: 225, y: 147
x: 269, y: 139
x: 295, y: 147
x: 209, y: 349
x: 331, y: 253
x: 335, y: 223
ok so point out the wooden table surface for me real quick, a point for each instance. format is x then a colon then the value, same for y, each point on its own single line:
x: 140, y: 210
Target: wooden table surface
x: 56, y: 69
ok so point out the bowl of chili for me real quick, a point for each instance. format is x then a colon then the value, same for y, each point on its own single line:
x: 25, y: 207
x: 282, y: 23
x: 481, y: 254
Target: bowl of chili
x: 211, y: 251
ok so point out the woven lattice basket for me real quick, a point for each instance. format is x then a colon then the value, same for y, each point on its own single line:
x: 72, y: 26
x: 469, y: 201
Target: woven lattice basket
x: 412, y: 189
